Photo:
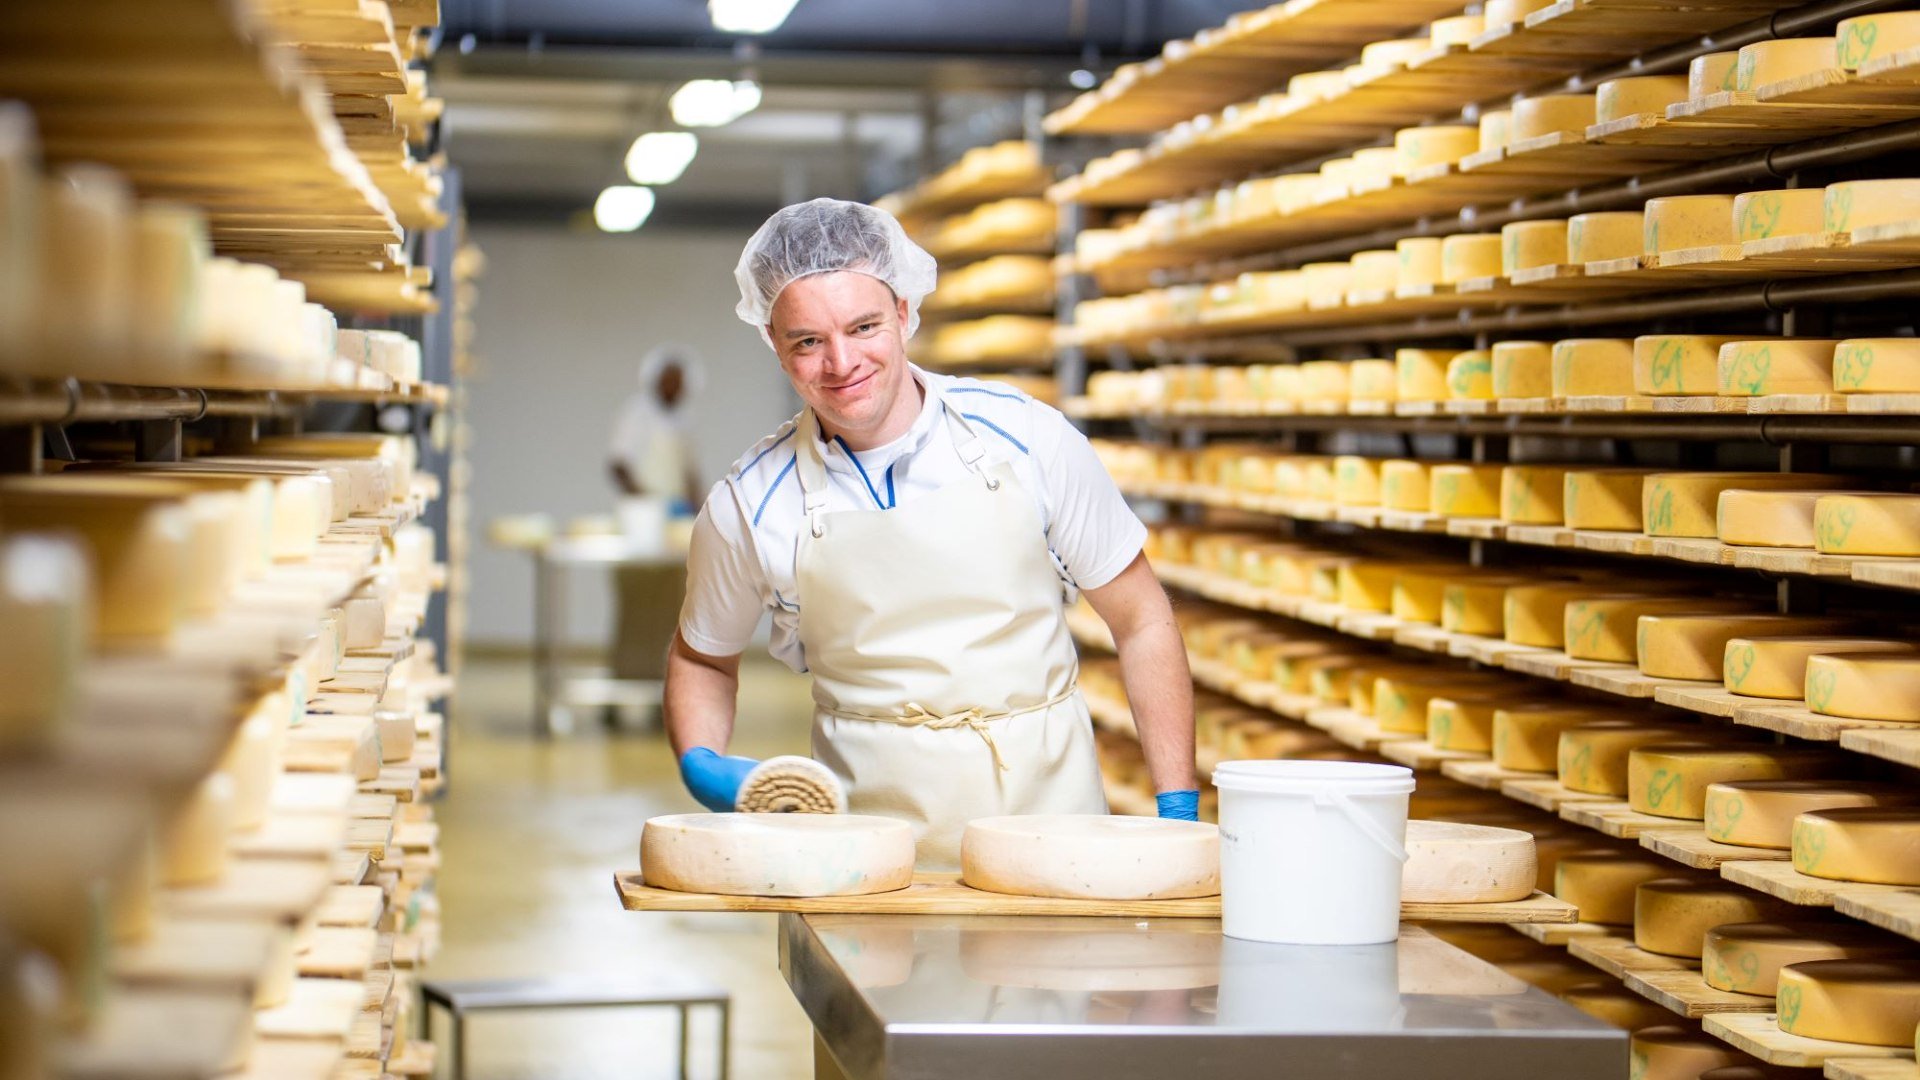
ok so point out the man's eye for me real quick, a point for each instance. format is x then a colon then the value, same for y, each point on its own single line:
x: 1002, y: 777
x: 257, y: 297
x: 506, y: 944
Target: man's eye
x: 866, y: 327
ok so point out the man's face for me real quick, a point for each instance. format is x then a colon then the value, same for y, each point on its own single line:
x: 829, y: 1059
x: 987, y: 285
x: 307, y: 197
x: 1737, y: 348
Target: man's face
x: 841, y: 338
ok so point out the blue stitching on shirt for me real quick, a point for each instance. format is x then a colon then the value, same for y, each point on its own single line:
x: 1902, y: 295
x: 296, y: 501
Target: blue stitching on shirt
x: 785, y: 603
x: 848, y: 450
x: 891, y: 502
x: 998, y: 430
x: 983, y: 390
x: 768, y: 497
x: 768, y: 450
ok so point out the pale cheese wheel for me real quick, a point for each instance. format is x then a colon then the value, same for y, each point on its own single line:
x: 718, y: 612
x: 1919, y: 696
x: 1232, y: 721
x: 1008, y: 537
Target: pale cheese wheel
x: 1551, y: 114
x: 1672, y: 916
x: 135, y: 533
x: 777, y: 854
x: 169, y: 253
x: 1533, y: 494
x: 1419, y: 262
x: 1424, y: 147
x: 1457, y: 29
x: 1503, y: 14
x: 1421, y: 374
x: 1327, y: 282
x: 1866, y: 38
x: 1676, y: 1053
x: 1405, y: 485
x: 1468, y: 256
x: 1876, y: 845
x: 1527, y: 738
x: 282, y: 968
x: 1780, y: 59
x: 1356, y: 480
x: 1870, y: 1002
x: 1713, y: 73
x: 1607, y: 627
x: 1593, y: 758
x: 1760, y: 813
x: 1669, y: 365
x: 1394, y: 53
x: 1877, y: 366
x: 1372, y: 380
x: 1537, y: 614
x: 1316, y: 86
x: 1620, y: 98
x: 1751, y: 518
x: 1464, y: 490
x: 1746, y: 958
x: 1592, y: 367
x: 1776, y: 667
x: 1759, y: 215
x: 1776, y: 366
x: 1470, y: 376
x: 1679, y: 222
x: 1688, y: 504
x: 1522, y: 369
x: 45, y: 607
x: 1525, y: 245
x: 1602, y: 885
x: 1453, y: 863
x: 1867, y: 524
x: 1605, y: 500
x: 194, y: 850
x: 1694, y: 646
x: 1324, y: 382
x: 1091, y: 857
x: 1671, y: 780
x: 1496, y: 130
x: 1373, y: 272
x: 1604, y: 236
x: 1465, y: 723
x: 253, y: 760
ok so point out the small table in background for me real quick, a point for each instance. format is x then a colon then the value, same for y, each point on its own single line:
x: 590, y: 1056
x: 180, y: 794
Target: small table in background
x: 558, y: 686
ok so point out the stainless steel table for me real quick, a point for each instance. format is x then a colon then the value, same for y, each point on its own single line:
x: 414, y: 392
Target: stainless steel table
x: 1005, y: 998
x: 559, y: 687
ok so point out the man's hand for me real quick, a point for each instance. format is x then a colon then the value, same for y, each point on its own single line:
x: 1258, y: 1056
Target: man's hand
x: 713, y: 780
x: 1179, y: 805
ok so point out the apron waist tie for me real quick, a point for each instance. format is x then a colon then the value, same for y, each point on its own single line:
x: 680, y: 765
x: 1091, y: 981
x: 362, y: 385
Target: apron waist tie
x: 917, y: 715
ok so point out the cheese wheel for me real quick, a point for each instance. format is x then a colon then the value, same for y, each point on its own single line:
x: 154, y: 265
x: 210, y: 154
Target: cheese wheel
x: 1766, y: 518
x: 1327, y: 282
x: 1424, y: 147
x: 1537, y: 614
x: 1867, y: 524
x: 1668, y: 365
x: 44, y: 608
x: 1421, y: 374
x: 1619, y: 98
x: 1502, y: 14
x: 1527, y: 244
x: 1688, y: 504
x: 1527, y: 738
x: 1396, y: 52
x: 1776, y: 366
x: 1316, y: 86
x: 169, y: 253
x: 1765, y: 62
x: 1679, y: 222
x: 1671, y: 780
x: 1866, y: 38
x: 1676, y: 1053
x: 1522, y: 369
x: 1759, y: 215
x: 1865, y: 686
x: 1468, y: 256
x: 1453, y: 863
x: 1550, y: 114
x: 1877, y: 845
x: 1592, y: 367
x: 1877, y: 366
x: 1477, y: 605
x: 135, y: 533
x: 1605, y: 500
x: 1871, y: 1002
x: 1372, y: 380
x: 1602, y: 885
x: 1419, y: 595
x: 1671, y: 916
x: 1470, y: 376
x: 194, y: 850
x: 1400, y: 703
x: 1607, y: 627
x: 1776, y: 667
x: 777, y: 854
x: 1694, y: 646
x: 1465, y: 490
x: 1746, y: 958
x: 1496, y: 130
x: 1091, y: 857
x: 1366, y: 584
x: 1461, y: 724
x: 1419, y: 262
x: 1594, y: 758
x: 1324, y: 382
x: 1456, y: 29
x: 1405, y: 485
x: 1374, y: 272
x: 1760, y: 813
x: 1533, y: 494
x: 253, y: 760
x: 1356, y: 480
x: 1713, y: 73
x: 1605, y: 236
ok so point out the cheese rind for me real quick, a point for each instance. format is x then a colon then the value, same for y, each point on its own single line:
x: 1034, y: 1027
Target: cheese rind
x: 1680, y: 222
x: 1467, y: 256
x: 1672, y: 916
x: 1760, y: 813
x: 1464, y: 490
x: 44, y: 606
x: 1865, y: 38
x: 1776, y: 366
x: 1672, y: 780
x: 1746, y: 958
x: 1405, y: 485
x: 1676, y: 1053
x: 1711, y: 74
x: 1694, y: 646
x: 1751, y: 518
x: 1356, y: 480
x: 1604, y: 236
x: 1688, y: 504
x: 1876, y: 845
x: 1537, y: 614
x: 1759, y: 215
x: 1091, y: 857
x: 1454, y: 863
x: 1464, y: 724
x: 1865, y: 686
x: 1602, y: 885
x: 1877, y: 366
x: 1618, y: 98
x: 1859, y: 204
x: 1670, y: 365
x: 1372, y: 380
x: 1527, y: 739
x: 1765, y: 62
x: 1867, y: 524
x: 1522, y: 369
x: 1496, y: 129
x: 777, y: 854
x: 1421, y: 374
x: 1470, y: 376
x: 1533, y: 494
x: 1592, y: 367
x: 1477, y: 605
x: 1424, y: 147
x: 1525, y: 245
x: 1871, y: 1002
x: 1550, y: 114
x: 1776, y: 667
x: 1605, y: 500
x: 1607, y: 627
x: 1594, y: 757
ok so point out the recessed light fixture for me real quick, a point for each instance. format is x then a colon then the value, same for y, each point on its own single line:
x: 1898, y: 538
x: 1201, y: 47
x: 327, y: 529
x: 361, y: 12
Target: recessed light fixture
x: 713, y: 102
x: 659, y: 157
x: 749, y: 16
x: 623, y: 208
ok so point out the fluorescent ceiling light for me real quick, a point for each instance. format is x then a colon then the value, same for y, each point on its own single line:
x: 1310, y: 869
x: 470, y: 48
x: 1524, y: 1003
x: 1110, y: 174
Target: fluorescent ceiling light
x: 749, y: 16
x: 713, y: 102
x: 622, y: 208
x: 659, y: 157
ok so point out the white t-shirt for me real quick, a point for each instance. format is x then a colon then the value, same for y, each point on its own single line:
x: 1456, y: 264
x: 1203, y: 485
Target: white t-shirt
x: 746, y: 539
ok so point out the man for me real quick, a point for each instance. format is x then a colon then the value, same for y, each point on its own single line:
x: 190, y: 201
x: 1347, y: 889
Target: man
x: 916, y: 538
x: 651, y: 452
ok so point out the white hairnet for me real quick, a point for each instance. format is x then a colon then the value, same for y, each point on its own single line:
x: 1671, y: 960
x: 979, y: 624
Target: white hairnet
x: 693, y: 371
x: 824, y: 236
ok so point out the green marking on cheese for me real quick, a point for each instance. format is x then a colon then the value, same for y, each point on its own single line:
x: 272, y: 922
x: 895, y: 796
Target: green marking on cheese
x: 1833, y: 524
x: 1851, y: 363
x: 1668, y: 368
x: 1575, y: 766
x: 1809, y: 847
x: 1585, y: 625
x: 1738, y: 664
x: 1820, y: 686
x: 1839, y: 208
x: 1662, y: 783
x: 1752, y: 367
x: 1761, y: 215
x: 1660, y: 513
x: 1744, y: 69
x: 1787, y: 1002
x: 1855, y: 46
x: 1723, y: 813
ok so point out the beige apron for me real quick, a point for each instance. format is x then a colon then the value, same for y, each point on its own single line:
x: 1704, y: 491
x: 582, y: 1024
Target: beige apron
x: 943, y: 672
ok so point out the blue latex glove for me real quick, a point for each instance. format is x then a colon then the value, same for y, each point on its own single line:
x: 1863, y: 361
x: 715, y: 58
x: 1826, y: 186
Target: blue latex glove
x: 1179, y: 805
x: 714, y: 780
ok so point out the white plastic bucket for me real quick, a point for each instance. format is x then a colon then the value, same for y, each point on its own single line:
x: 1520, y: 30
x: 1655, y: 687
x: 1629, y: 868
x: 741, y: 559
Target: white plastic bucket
x: 1311, y: 851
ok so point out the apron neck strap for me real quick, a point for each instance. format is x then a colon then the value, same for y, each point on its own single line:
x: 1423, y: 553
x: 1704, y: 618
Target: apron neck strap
x: 966, y: 441
x: 811, y: 468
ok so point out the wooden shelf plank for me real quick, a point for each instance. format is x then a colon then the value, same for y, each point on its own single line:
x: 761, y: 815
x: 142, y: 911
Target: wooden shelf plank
x: 1618, y: 955
x: 1897, y: 910
x: 1781, y: 880
x: 1691, y: 847
x: 1759, y: 1034
x: 1687, y: 994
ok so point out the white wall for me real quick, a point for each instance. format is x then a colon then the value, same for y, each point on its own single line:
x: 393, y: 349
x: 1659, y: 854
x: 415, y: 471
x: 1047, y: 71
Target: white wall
x: 563, y: 320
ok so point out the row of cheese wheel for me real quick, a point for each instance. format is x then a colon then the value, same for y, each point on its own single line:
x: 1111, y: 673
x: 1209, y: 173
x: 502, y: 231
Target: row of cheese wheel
x: 1022, y: 339
x: 1024, y: 282
x: 1023, y: 226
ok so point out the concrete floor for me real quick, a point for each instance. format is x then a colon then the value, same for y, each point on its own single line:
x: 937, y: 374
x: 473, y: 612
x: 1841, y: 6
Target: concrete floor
x: 531, y: 834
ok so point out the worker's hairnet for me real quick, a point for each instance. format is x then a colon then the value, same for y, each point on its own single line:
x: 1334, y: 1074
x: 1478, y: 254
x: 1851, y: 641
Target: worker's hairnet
x: 824, y: 236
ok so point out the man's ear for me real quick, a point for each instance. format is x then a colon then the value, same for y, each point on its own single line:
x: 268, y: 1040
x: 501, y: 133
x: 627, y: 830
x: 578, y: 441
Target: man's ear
x: 900, y: 303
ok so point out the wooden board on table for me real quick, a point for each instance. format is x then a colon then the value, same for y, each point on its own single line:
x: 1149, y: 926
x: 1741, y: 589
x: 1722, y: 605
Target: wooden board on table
x: 943, y: 894
x: 1780, y: 879
x: 1616, y: 819
x: 1691, y: 846
x: 1687, y: 994
x: 1897, y: 910
x: 1872, y: 1069
x: 1759, y: 1034
x: 1803, y: 723
x: 1618, y: 955
x: 1899, y: 747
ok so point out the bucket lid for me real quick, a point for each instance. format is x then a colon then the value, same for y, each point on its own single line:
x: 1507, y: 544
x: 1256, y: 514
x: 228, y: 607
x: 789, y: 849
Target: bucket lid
x: 1308, y: 777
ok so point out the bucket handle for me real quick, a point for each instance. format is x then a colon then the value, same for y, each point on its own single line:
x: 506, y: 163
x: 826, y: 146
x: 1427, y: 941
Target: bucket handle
x: 1363, y: 821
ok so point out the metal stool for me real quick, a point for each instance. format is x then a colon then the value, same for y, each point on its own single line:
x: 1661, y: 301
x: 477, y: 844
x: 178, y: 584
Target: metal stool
x: 489, y: 995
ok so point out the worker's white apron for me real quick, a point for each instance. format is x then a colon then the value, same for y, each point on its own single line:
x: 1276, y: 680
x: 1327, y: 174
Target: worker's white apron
x: 943, y: 673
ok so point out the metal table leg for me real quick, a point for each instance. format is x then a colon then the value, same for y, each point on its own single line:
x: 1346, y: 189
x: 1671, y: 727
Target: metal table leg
x: 726, y: 1038
x: 686, y: 1040
x: 547, y: 627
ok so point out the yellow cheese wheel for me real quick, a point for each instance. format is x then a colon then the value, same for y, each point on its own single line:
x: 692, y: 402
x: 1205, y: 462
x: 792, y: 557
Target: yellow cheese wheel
x: 1424, y: 147
x: 1858, y: 204
x: 1677, y: 364
x: 1746, y: 958
x: 1549, y: 114
x: 1496, y: 130
x: 1865, y: 686
x: 1688, y: 504
x: 1419, y: 262
x: 1765, y: 62
x: 1866, y: 38
x: 1527, y: 244
x: 1877, y: 366
x: 1465, y: 490
x: 1713, y: 73
x: 1878, y: 845
x: 1400, y: 703
x: 1533, y: 494
x: 1867, y: 524
x: 1759, y: 215
x: 194, y: 850
x: 1327, y: 282
x: 1527, y: 739
x: 1522, y: 369
x: 1606, y: 500
x: 1776, y: 366
x: 1356, y: 480
x: 1617, y: 98
x: 1457, y: 29
x: 135, y: 533
x: 1537, y: 614
x: 1324, y: 382
x: 1593, y: 758
x: 1502, y: 14
x: 1366, y: 584
x: 1760, y: 813
x: 1591, y: 367
x: 44, y: 606
x: 1316, y: 86
x: 1421, y: 374
x: 1470, y: 376
x: 1767, y: 518
x: 1776, y: 667
x: 1602, y: 885
x: 1394, y: 53
x: 1420, y: 594
x: 1374, y: 272
x: 1693, y: 646
x: 1461, y: 723
x: 1871, y: 1002
x: 1673, y: 1052
x: 1405, y: 485
x: 1605, y: 236
x: 1477, y: 605
x: 1372, y: 380
x: 1672, y: 916
x: 1679, y: 222
x: 1607, y: 627
x: 1469, y: 256
x: 1671, y: 780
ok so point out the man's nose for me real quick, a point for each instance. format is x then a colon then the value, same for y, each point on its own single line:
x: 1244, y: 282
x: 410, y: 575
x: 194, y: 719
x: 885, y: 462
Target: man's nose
x: 838, y: 357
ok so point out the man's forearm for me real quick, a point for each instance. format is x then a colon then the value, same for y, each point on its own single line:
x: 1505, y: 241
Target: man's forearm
x: 1153, y: 666
x: 699, y: 700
